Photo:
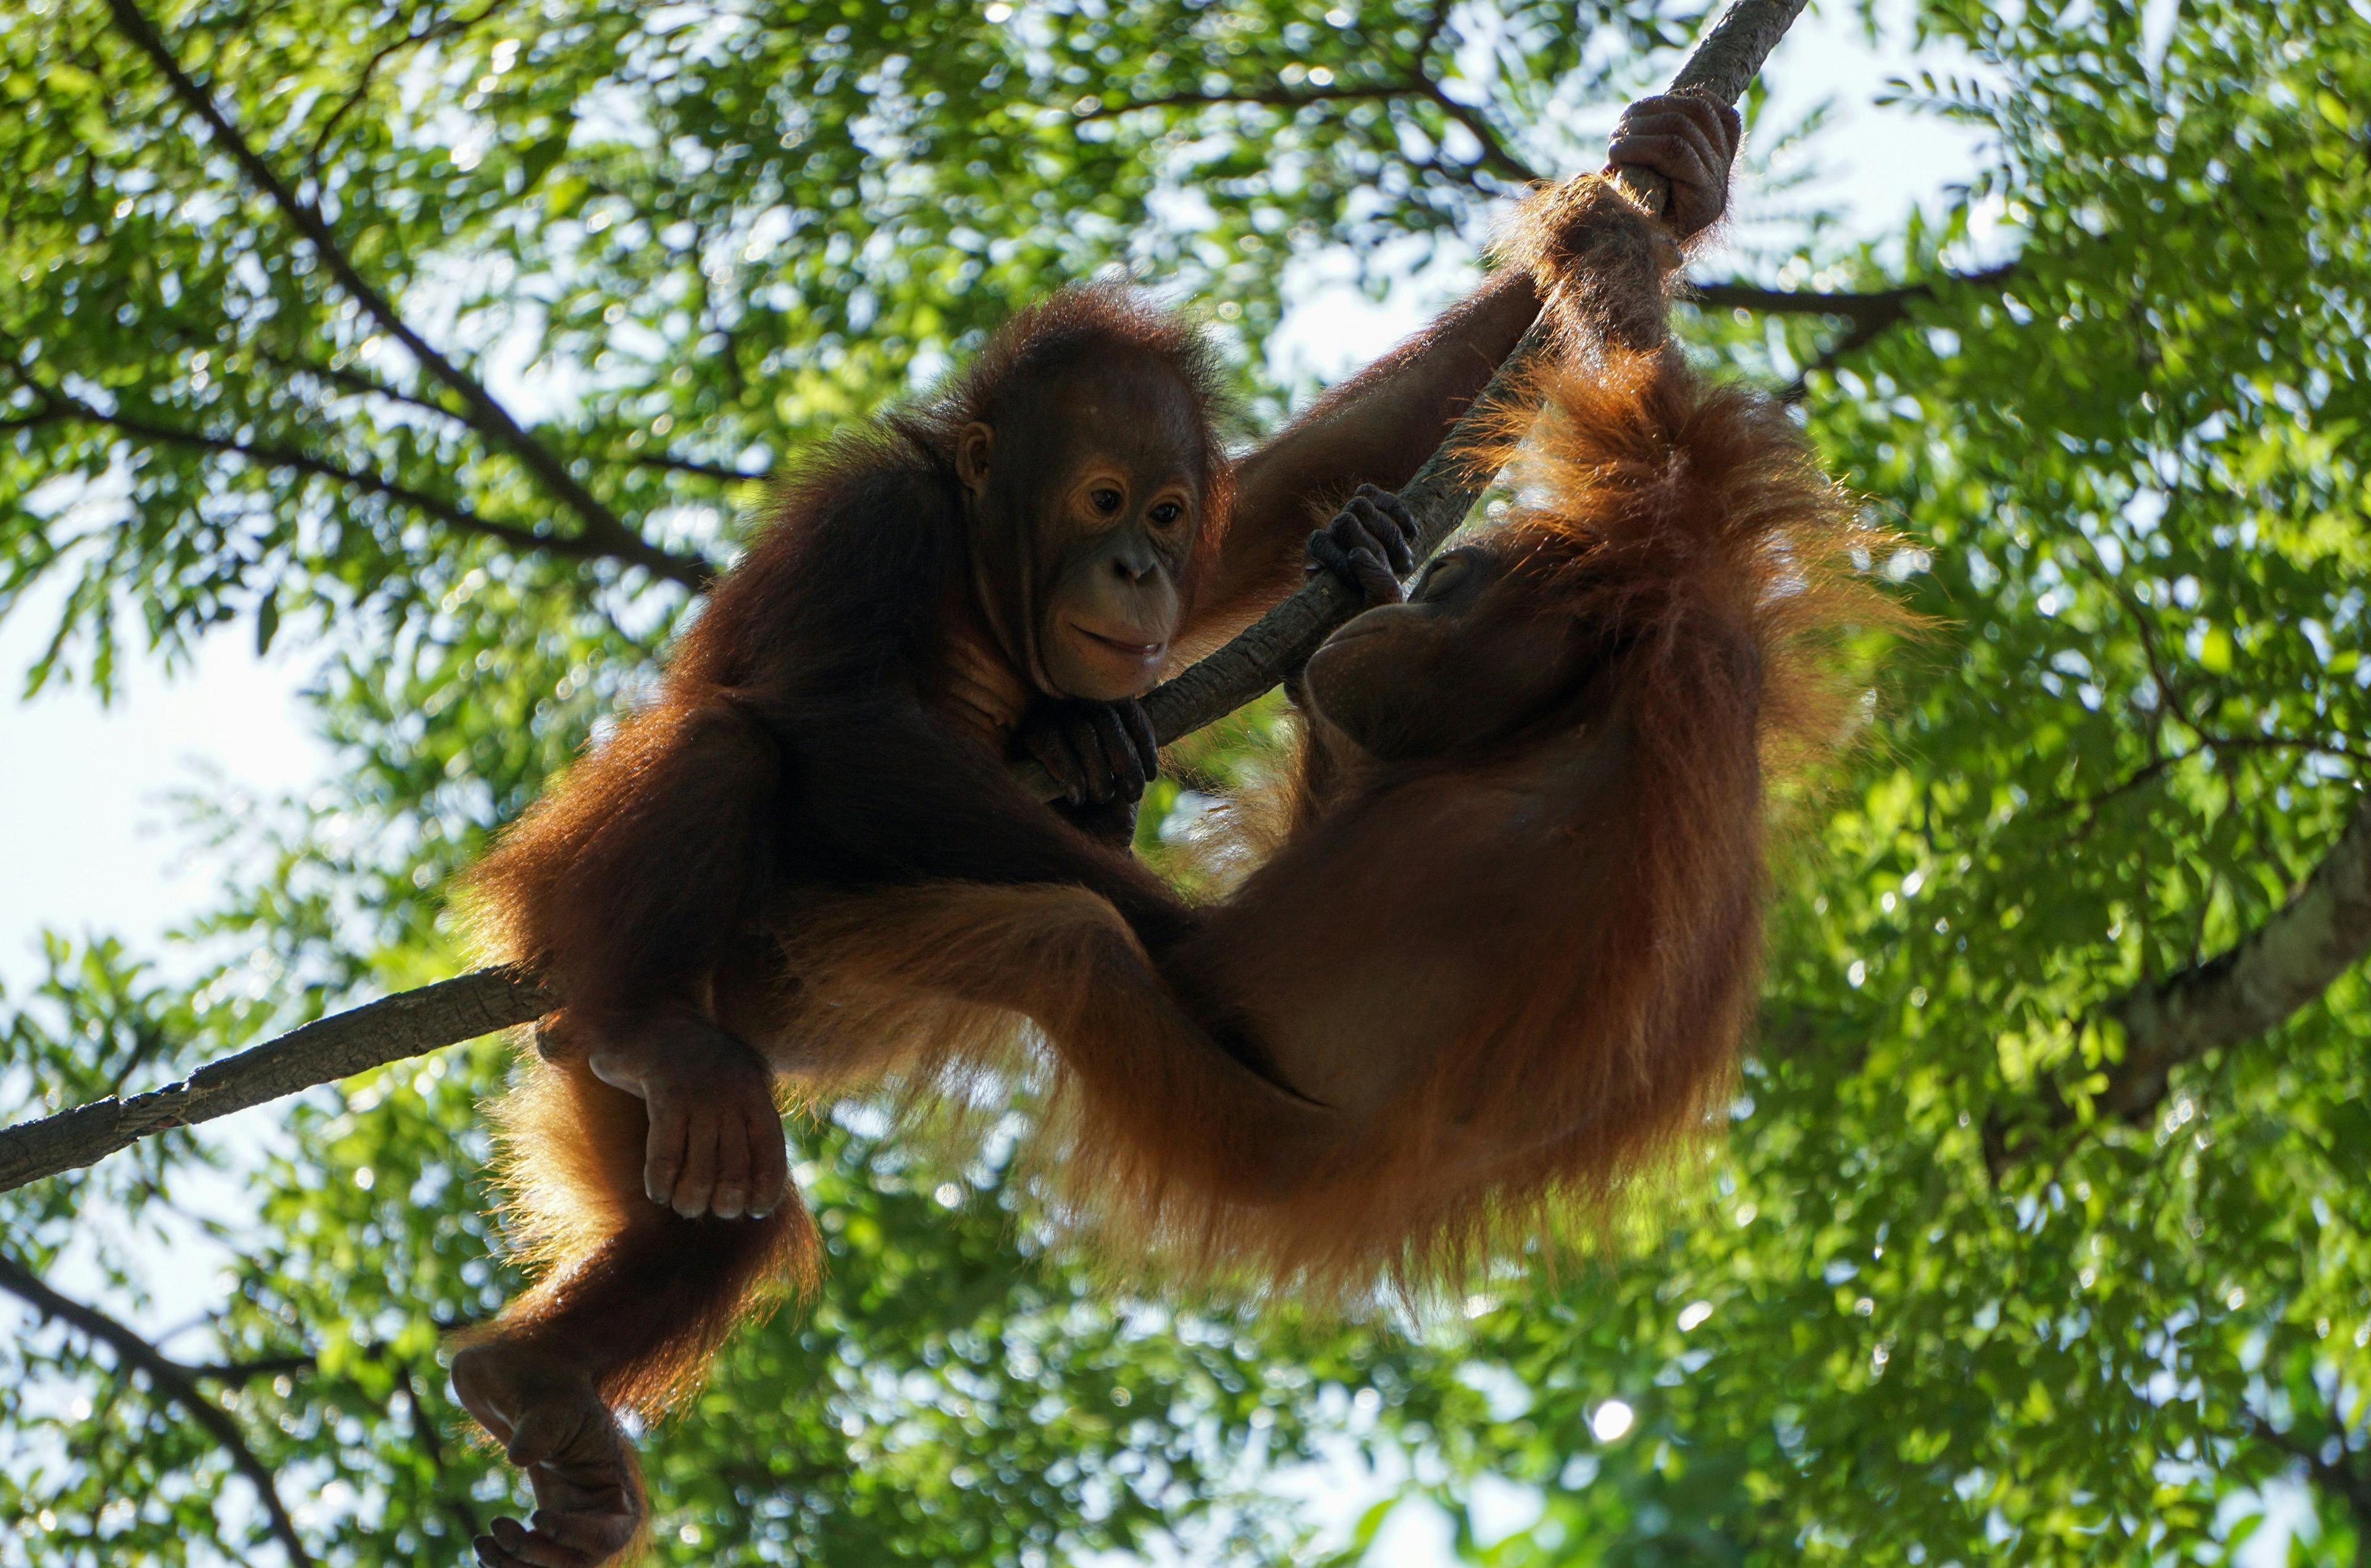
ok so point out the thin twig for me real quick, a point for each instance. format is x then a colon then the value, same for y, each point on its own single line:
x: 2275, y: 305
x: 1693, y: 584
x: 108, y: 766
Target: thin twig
x: 172, y: 1380
x: 430, y: 34
x: 1870, y: 312
x: 1418, y: 82
x: 602, y: 527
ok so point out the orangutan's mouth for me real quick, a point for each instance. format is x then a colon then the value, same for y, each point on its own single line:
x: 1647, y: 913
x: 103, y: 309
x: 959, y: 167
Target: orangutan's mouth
x: 1144, y: 652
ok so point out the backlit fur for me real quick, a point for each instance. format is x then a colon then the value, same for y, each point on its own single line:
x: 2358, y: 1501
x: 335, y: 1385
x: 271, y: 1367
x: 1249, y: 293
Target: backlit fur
x: 1684, y: 528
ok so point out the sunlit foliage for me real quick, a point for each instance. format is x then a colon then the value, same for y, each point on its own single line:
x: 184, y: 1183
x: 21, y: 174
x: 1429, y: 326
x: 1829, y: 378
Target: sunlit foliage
x: 1938, y: 1302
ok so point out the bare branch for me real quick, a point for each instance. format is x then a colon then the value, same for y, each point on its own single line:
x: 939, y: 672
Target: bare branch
x: 247, y: 1371
x: 487, y: 417
x: 361, y: 384
x: 1418, y: 82
x: 407, y: 1025
x: 576, y: 546
x: 1494, y: 152
x: 1869, y: 314
x: 448, y: 28
x: 1875, y: 307
x: 1267, y: 98
x: 171, y: 1379
x: 357, y: 383
x: 725, y: 472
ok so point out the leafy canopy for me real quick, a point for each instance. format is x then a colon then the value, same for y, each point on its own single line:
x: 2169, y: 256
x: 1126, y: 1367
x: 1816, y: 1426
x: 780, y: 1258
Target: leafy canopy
x: 447, y: 341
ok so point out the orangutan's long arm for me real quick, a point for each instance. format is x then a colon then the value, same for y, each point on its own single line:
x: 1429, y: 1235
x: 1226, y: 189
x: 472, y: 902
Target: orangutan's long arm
x: 1377, y: 428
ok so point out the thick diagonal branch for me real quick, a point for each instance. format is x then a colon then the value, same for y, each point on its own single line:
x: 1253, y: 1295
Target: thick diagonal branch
x: 2278, y: 970
x: 602, y: 526
x: 171, y: 1379
x: 407, y: 1025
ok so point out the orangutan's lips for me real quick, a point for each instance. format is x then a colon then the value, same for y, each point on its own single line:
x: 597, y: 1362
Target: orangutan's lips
x: 1144, y: 652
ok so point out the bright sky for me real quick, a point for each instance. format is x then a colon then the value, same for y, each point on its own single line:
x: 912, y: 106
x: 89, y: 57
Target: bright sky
x: 87, y: 837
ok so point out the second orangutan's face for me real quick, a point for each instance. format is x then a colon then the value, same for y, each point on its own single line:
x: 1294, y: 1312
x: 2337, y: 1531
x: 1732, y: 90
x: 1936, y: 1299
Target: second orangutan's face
x: 1465, y: 663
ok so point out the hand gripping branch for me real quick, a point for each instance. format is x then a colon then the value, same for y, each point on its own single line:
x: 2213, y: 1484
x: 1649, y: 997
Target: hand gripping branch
x: 412, y: 1023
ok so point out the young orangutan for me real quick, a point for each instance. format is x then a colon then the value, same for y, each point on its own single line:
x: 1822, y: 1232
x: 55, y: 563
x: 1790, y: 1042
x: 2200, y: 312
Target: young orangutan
x: 1002, y: 568
x: 1504, y: 957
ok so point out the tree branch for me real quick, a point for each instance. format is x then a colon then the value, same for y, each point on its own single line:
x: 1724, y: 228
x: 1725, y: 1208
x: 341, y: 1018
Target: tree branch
x: 357, y: 383
x: 1494, y: 151
x: 721, y: 471
x: 487, y: 417
x: 1446, y: 488
x: 173, y: 1380
x: 430, y: 34
x: 1868, y: 315
x: 360, y: 383
x: 1875, y: 307
x: 2348, y: 1483
x: 418, y: 1021
x: 246, y: 1371
x: 2250, y: 988
x: 1418, y: 82
x: 408, y: 1024
x: 576, y: 546
x: 1267, y: 98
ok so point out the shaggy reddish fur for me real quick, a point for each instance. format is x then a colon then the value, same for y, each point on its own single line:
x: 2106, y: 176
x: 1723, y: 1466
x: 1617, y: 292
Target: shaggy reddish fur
x: 791, y: 746
x: 1600, y: 955
x: 658, y: 1294
x: 800, y: 744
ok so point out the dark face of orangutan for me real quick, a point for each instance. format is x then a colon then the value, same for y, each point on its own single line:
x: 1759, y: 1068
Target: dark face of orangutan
x: 1087, y: 497
x: 1463, y: 663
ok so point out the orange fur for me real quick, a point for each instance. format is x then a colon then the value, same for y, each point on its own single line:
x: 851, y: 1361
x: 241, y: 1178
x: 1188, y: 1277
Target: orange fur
x: 569, y: 1162
x: 1599, y: 956
x: 797, y: 743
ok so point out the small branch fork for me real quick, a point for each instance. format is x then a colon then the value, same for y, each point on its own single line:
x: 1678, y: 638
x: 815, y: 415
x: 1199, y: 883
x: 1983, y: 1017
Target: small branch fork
x: 1867, y: 315
x: 1419, y: 82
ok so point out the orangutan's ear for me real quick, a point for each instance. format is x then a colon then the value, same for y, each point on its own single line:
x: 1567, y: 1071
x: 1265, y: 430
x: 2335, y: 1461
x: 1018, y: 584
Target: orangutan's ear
x: 975, y: 444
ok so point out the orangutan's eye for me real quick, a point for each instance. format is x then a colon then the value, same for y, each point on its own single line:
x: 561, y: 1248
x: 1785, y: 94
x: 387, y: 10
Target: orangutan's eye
x: 1442, y: 575
x: 1107, y: 499
x: 1168, y: 512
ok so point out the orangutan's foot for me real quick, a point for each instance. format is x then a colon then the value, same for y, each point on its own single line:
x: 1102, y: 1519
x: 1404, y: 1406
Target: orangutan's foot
x: 552, y: 1425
